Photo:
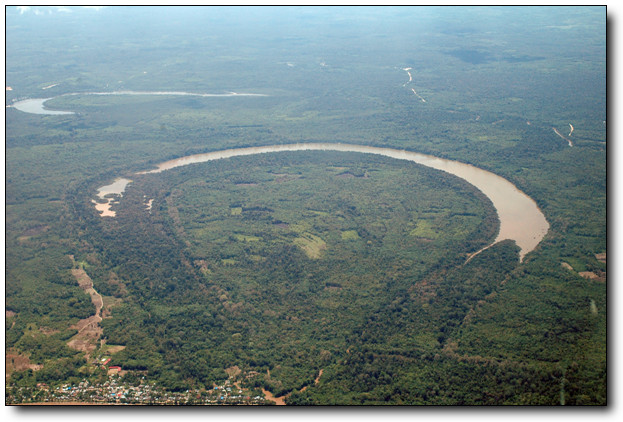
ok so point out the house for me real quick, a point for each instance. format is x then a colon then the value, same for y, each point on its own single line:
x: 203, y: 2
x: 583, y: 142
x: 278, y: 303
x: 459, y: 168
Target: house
x: 112, y: 370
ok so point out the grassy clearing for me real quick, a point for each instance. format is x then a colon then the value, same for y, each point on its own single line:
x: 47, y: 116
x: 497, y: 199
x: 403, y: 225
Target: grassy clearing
x: 246, y: 238
x: 111, y: 348
x: 318, y: 213
x: 424, y: 228
x: 300, y: 227
x: 577, y: 264
x: 311, y: 244
x: 83, y: 265
x: 593, y: 307
x: 350, y: 235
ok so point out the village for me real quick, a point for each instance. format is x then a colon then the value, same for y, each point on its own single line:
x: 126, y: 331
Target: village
x: 117, y: 392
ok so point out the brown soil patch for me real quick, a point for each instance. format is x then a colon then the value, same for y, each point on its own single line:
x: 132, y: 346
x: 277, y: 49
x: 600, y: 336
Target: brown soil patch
x: 89, y: 331
x: 97, y: 300
x: 9, y: 314
x: 48, y: 331
x: 83, y: 279
x: 114, y: 349
x: 34, y: 231
x: 87, y: 323
x: 89, y: 334
x: 280, y: 401
x: 588, y: 275
x: 567, y: 266
x: 233, y: 371
x: 316, y: 381
x: 16, y: 362
x: 601, y: 257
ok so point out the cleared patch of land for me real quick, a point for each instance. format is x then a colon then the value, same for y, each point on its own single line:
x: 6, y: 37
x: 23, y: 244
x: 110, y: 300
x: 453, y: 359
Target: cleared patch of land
x: 89, y: 331
x: 350, y: 235
x: 18, y: 362
x: 312, y: 245
x: 424, y: 229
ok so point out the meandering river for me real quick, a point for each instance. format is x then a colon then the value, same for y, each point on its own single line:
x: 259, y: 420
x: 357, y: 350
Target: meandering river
x: 37, y: 105
x: 521, y: 219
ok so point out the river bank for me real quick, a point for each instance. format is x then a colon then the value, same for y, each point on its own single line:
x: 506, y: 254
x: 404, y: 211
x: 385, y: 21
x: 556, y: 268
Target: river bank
x: 521, y: 219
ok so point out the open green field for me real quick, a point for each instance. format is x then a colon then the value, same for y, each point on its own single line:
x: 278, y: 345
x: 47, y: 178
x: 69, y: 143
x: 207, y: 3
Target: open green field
x: 265, y: 271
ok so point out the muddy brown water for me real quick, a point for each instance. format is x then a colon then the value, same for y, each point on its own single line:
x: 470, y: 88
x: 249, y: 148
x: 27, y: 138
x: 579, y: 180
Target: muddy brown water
x: 520, y: 218
x: 106, y: 193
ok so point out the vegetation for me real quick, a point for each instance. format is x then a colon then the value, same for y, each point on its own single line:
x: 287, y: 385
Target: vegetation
x: 331, y: 278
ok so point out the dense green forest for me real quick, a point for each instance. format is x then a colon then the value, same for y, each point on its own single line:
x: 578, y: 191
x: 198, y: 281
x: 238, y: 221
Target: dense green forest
x: 315, y: 277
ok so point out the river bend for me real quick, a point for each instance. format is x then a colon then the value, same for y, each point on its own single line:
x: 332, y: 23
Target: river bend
x: 37, y: 105
x: 521, y: 220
